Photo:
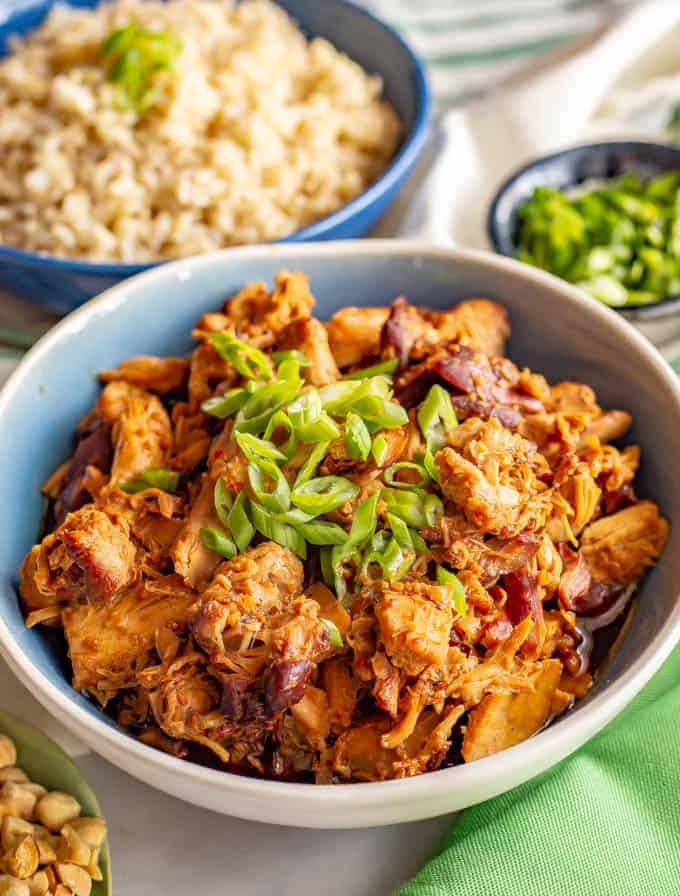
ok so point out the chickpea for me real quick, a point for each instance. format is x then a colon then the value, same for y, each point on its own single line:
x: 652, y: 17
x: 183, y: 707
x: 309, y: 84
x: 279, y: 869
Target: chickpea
x: 38, y: 885
x: 12, y: 773
x: 10, y: 886
x: 56, y: 809
x: 75, y: 878
x: 92, y: 830
x: 22, y: 861
x: 8, y: 752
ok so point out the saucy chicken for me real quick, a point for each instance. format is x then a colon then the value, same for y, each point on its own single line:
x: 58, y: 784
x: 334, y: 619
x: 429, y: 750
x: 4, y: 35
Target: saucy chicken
x: 340, y: 552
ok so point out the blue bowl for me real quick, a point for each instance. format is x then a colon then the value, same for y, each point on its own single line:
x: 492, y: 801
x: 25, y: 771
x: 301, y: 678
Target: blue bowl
x: 154, y: 313
x: 62, y: 284
x: 569, y: 168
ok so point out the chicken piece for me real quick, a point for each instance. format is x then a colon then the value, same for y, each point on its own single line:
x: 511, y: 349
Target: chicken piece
x: 341, y: 691
x: 406, y: 329
x: 610, y: 425
x: 618, y: 548
x: 503, y: 720
x: 89, y: 557
x: 159, y: 375
x: 241, y: 597
x: 90, y: 464
x: 207, y: 371
x: 481, y: 324
x: 414, y: 619
x: 260, y: 315
x: 192, y: 439
x: 109, y: 644
x: 330, y: 607
x: 308, y: 335
x: 387, y: 683
x: 426, y: 747
x: 154, y: 516
x: 358, y: 754
x: 312, y: 716
x: 142, y: 436
x: 492, y: 474
x: 354, y: 334
x: 192, y: 559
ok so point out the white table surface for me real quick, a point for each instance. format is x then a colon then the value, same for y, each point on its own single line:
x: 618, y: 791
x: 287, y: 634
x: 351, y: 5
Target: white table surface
x: 161, y: 846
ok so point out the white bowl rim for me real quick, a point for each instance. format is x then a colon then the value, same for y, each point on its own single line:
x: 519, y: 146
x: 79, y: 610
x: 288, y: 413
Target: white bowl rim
x: 575, y: 729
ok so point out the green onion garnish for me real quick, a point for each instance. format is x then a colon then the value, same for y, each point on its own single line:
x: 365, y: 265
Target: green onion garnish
x: 436, y: 417
x: 407, y: 505
x: 308, y: 468
x: 134, y: 56
x: 281, y: 533
x: 433, y: 509
x: 455, y: 587
x: 379, y: 449
x: 364, y: 520
x: 322, y: 533
x: 223, y: 501
x: 323, y: 494
x: 324, y: 429
x: 386, y: 368
x: 255, y: 448
x: 357, y: 437
x: 291, y: 355
x: 334, y: 635
x: 239, y: 524
x: 385, y: 414
x: 269, y: 485
x: 391, y: 473
x: 306, y: 409
x: 222, y: 406
x: 218, y: 542
x: 400, y: 531
x: 154, y: 477
x: 247, y: 360
x: 277, y: 422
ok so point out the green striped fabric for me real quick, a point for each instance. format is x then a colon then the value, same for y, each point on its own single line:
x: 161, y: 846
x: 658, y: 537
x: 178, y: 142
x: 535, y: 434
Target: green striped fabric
x: 472, y: 45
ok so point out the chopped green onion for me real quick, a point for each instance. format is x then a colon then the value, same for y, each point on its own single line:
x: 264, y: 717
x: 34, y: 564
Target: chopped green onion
x: 269, y: 485
x: 407, y: 505
x: 247, y: 360
x: 308, y: 468
x: 345, y: 563
x: 324, y: 429
x: 334, y: 635
x: 255, y: 448
x: 223, y: 501
x: 239, y: 524
x: 323, y: 494
x: 390, y: 475
x: 305, y: 409
x: 391, y: 560
x: 291, y: 355
x: 357, y: 437
x: 430, y: 465
x: 418, y: 542
x: 433, y: 508
x: 321, y: 533
x: 134, y: 55
x: 378, y: 410
x: 326, y: 559
x: 400, y: 531
x: 338, y: 398
x: 255, y: 414
x: 222, y: 406
x: 280, y: 420
x: 154, y: 477
x: 384, y: 367
x: 218, y: 542
x: 379, y: 449
x: 294, y: 516
x: 455, y: 587
x: 364, y: 520
x: 436, y: 417
x: 286, y: 536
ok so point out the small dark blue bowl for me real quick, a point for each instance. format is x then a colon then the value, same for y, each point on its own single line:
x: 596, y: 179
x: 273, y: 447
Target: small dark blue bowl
x: 63, y: 284
x: 569, y: 168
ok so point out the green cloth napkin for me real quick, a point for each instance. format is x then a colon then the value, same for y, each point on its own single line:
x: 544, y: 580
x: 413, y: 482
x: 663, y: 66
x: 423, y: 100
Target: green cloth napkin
x: 605, y: 822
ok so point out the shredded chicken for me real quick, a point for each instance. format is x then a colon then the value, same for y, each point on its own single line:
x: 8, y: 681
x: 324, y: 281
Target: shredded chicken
x: 213, y: 608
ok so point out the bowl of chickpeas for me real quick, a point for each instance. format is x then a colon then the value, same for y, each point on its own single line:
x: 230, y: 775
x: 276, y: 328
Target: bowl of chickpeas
x: 52, y: 834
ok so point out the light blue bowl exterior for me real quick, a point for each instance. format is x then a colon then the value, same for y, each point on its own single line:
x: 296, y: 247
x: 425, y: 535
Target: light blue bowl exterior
x: 63, y: 285
x: 570, y: 338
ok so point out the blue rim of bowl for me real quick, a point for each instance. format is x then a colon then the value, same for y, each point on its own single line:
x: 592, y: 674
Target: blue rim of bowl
x: 659, y: 310
x: 400, y: 164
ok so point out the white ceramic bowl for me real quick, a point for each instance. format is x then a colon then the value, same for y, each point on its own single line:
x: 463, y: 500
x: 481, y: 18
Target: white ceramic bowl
x: 556, y: 330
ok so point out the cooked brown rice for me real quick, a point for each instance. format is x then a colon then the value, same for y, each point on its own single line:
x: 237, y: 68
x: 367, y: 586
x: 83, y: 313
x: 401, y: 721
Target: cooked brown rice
x: 257, y: 132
